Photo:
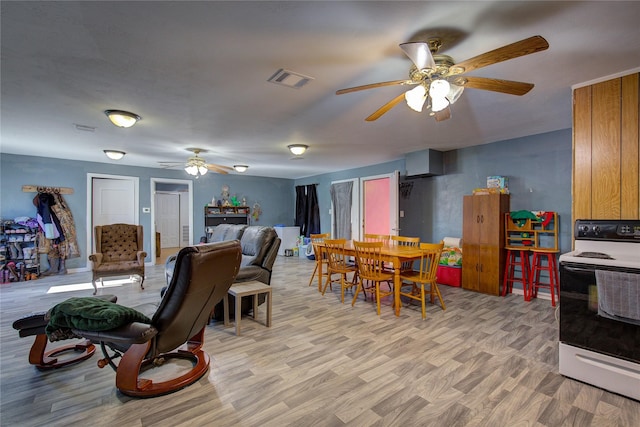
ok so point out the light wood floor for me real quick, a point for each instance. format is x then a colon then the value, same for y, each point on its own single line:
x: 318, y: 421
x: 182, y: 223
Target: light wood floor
x: 485, y: 361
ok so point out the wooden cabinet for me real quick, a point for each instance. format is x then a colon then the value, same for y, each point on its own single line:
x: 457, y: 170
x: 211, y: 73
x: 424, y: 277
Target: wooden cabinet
x: 483, y: 242
x: 216, y: 215
x: 606, y: 146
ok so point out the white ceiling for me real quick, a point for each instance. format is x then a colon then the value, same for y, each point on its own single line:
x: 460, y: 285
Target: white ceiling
x: 197, y: 73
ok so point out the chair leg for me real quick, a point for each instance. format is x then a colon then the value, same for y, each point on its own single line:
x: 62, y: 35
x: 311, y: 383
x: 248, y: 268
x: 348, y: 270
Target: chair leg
x: 422, y: 300
x: 355, y: 296
x: 314, y: 274
x: 326, y: 283
x: 434, y: 287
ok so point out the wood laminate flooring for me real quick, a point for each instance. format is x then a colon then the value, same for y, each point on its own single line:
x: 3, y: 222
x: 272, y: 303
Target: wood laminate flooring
x: 485, y: 361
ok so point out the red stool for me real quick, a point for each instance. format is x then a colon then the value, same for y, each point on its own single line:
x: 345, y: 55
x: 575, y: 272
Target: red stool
x: 516, y: 257
x: 551, y: 267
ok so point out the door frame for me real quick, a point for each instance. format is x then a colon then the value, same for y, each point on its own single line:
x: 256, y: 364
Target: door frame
x: 136, y: 198
x: 153, y: 183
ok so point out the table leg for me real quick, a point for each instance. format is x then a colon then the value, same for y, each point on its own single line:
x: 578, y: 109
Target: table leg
x: 268, y: 309
x: 238, y: 313
x: 320, y: 264
x: 255, y: 306
x: 225, y: 309
x: 396, y: 285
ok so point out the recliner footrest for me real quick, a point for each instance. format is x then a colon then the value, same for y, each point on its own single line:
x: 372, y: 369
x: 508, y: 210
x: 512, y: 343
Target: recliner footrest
x: 34, y: 324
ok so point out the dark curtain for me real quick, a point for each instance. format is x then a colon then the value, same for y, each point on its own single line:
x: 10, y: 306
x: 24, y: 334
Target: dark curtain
x: 307, y: 210
x: 301, y: 207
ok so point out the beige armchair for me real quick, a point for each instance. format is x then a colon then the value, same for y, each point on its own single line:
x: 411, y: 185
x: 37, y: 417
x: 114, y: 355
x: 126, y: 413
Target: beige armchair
x: 119, y: 252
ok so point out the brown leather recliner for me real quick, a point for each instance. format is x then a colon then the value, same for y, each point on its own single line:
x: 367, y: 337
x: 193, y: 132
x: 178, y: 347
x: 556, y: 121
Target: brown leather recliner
x: 203, y: 275
x: 119, y: 252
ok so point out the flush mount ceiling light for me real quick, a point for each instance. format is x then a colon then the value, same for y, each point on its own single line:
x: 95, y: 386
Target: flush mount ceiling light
x: 240, y: 168
x: 114, y: 154
x: 297, y: 149
x: 123, y: 119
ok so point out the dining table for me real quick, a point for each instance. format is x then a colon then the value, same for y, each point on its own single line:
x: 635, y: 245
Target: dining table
x: 395, y: 254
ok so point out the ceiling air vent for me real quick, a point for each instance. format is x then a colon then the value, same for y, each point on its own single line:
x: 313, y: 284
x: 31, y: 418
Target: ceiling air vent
x: 289, y: 78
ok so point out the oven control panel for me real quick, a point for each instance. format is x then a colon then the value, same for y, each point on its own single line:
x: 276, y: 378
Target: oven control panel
x: 604, y: 229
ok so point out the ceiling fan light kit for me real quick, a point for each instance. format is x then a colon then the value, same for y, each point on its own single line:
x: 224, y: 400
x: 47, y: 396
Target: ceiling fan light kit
x: 123, y: 119
x: 114, y: 154
x: 241, y: 168
x: 297, y: 149
x: 438, y: 77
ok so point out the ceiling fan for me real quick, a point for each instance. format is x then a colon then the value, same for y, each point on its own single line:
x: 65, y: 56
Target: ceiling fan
x: 197, y: 166
x: 439, y: 80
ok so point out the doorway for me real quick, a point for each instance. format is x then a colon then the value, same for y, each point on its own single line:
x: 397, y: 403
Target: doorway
x: 374, y: 205
x: 171, y: 215
x: 379, y: 204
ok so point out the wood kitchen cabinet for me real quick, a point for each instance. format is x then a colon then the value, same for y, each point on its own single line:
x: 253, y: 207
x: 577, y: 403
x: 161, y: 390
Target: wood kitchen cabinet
x: 606, y: 146
x: 483, y: 242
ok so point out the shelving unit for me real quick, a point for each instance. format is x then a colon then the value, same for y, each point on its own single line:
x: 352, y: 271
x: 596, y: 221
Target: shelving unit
x: 19, y: 256
x: 216, y: 215
x: 532, y: 233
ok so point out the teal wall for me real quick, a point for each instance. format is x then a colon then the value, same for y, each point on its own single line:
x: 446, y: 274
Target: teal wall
x: 275, y: 196
x: 538, y: 168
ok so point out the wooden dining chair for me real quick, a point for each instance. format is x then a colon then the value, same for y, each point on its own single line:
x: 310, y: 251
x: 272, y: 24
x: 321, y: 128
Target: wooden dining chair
x: 416, y: 280
x: 320, y: 254
x: 338, y: 263
x: 384, y: 238
x: 371, y: 269
x: 405, y: 241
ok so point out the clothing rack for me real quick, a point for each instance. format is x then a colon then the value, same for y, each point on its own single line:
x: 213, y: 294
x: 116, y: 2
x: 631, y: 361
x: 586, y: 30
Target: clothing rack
x: 39, y: 189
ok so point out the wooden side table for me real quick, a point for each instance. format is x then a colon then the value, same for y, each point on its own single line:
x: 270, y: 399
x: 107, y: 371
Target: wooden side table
x: 243, y: 289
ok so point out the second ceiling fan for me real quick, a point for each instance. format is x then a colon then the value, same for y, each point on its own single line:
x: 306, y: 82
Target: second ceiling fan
x: 439, y: 81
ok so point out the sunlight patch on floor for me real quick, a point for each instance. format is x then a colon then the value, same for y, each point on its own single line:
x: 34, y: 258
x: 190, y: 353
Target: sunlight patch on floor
x: 84, y: 286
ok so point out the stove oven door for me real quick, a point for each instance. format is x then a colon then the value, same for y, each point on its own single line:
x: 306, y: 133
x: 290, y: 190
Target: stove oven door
x: 580, y: 324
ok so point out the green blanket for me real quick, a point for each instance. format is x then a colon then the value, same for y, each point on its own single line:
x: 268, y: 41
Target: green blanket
x: 90, y: 314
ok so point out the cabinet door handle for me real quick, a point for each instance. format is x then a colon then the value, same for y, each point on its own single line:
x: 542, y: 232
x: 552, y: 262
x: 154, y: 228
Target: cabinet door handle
x: 482, y: 218
x: 478, y: 219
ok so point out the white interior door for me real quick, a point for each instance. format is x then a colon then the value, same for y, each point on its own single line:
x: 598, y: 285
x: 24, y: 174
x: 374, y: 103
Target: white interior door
x: 111, y: 199
x: 168, y: 219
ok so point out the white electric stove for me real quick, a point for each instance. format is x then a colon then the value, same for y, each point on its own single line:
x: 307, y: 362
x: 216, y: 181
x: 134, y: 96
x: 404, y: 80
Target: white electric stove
x: 600, y: 306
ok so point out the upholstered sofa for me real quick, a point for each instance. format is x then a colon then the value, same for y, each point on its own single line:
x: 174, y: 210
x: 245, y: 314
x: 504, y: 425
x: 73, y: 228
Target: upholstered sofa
x: 260, y: 246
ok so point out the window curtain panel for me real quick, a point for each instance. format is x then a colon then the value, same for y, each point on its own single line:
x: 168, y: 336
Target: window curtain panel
x: 301, y: 206
x: 341, y: 198
x: 307, y: 210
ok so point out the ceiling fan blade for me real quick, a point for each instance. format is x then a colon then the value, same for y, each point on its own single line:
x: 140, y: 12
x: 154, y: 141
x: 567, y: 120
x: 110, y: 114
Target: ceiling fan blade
x: 386, y: 107
x: 442, y: 114
x: 513, y: 50
x: 374, y: 85
x: 217, y: 168
x: 420, y: 54
x: 220, y: 166
x: 498, y: 85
